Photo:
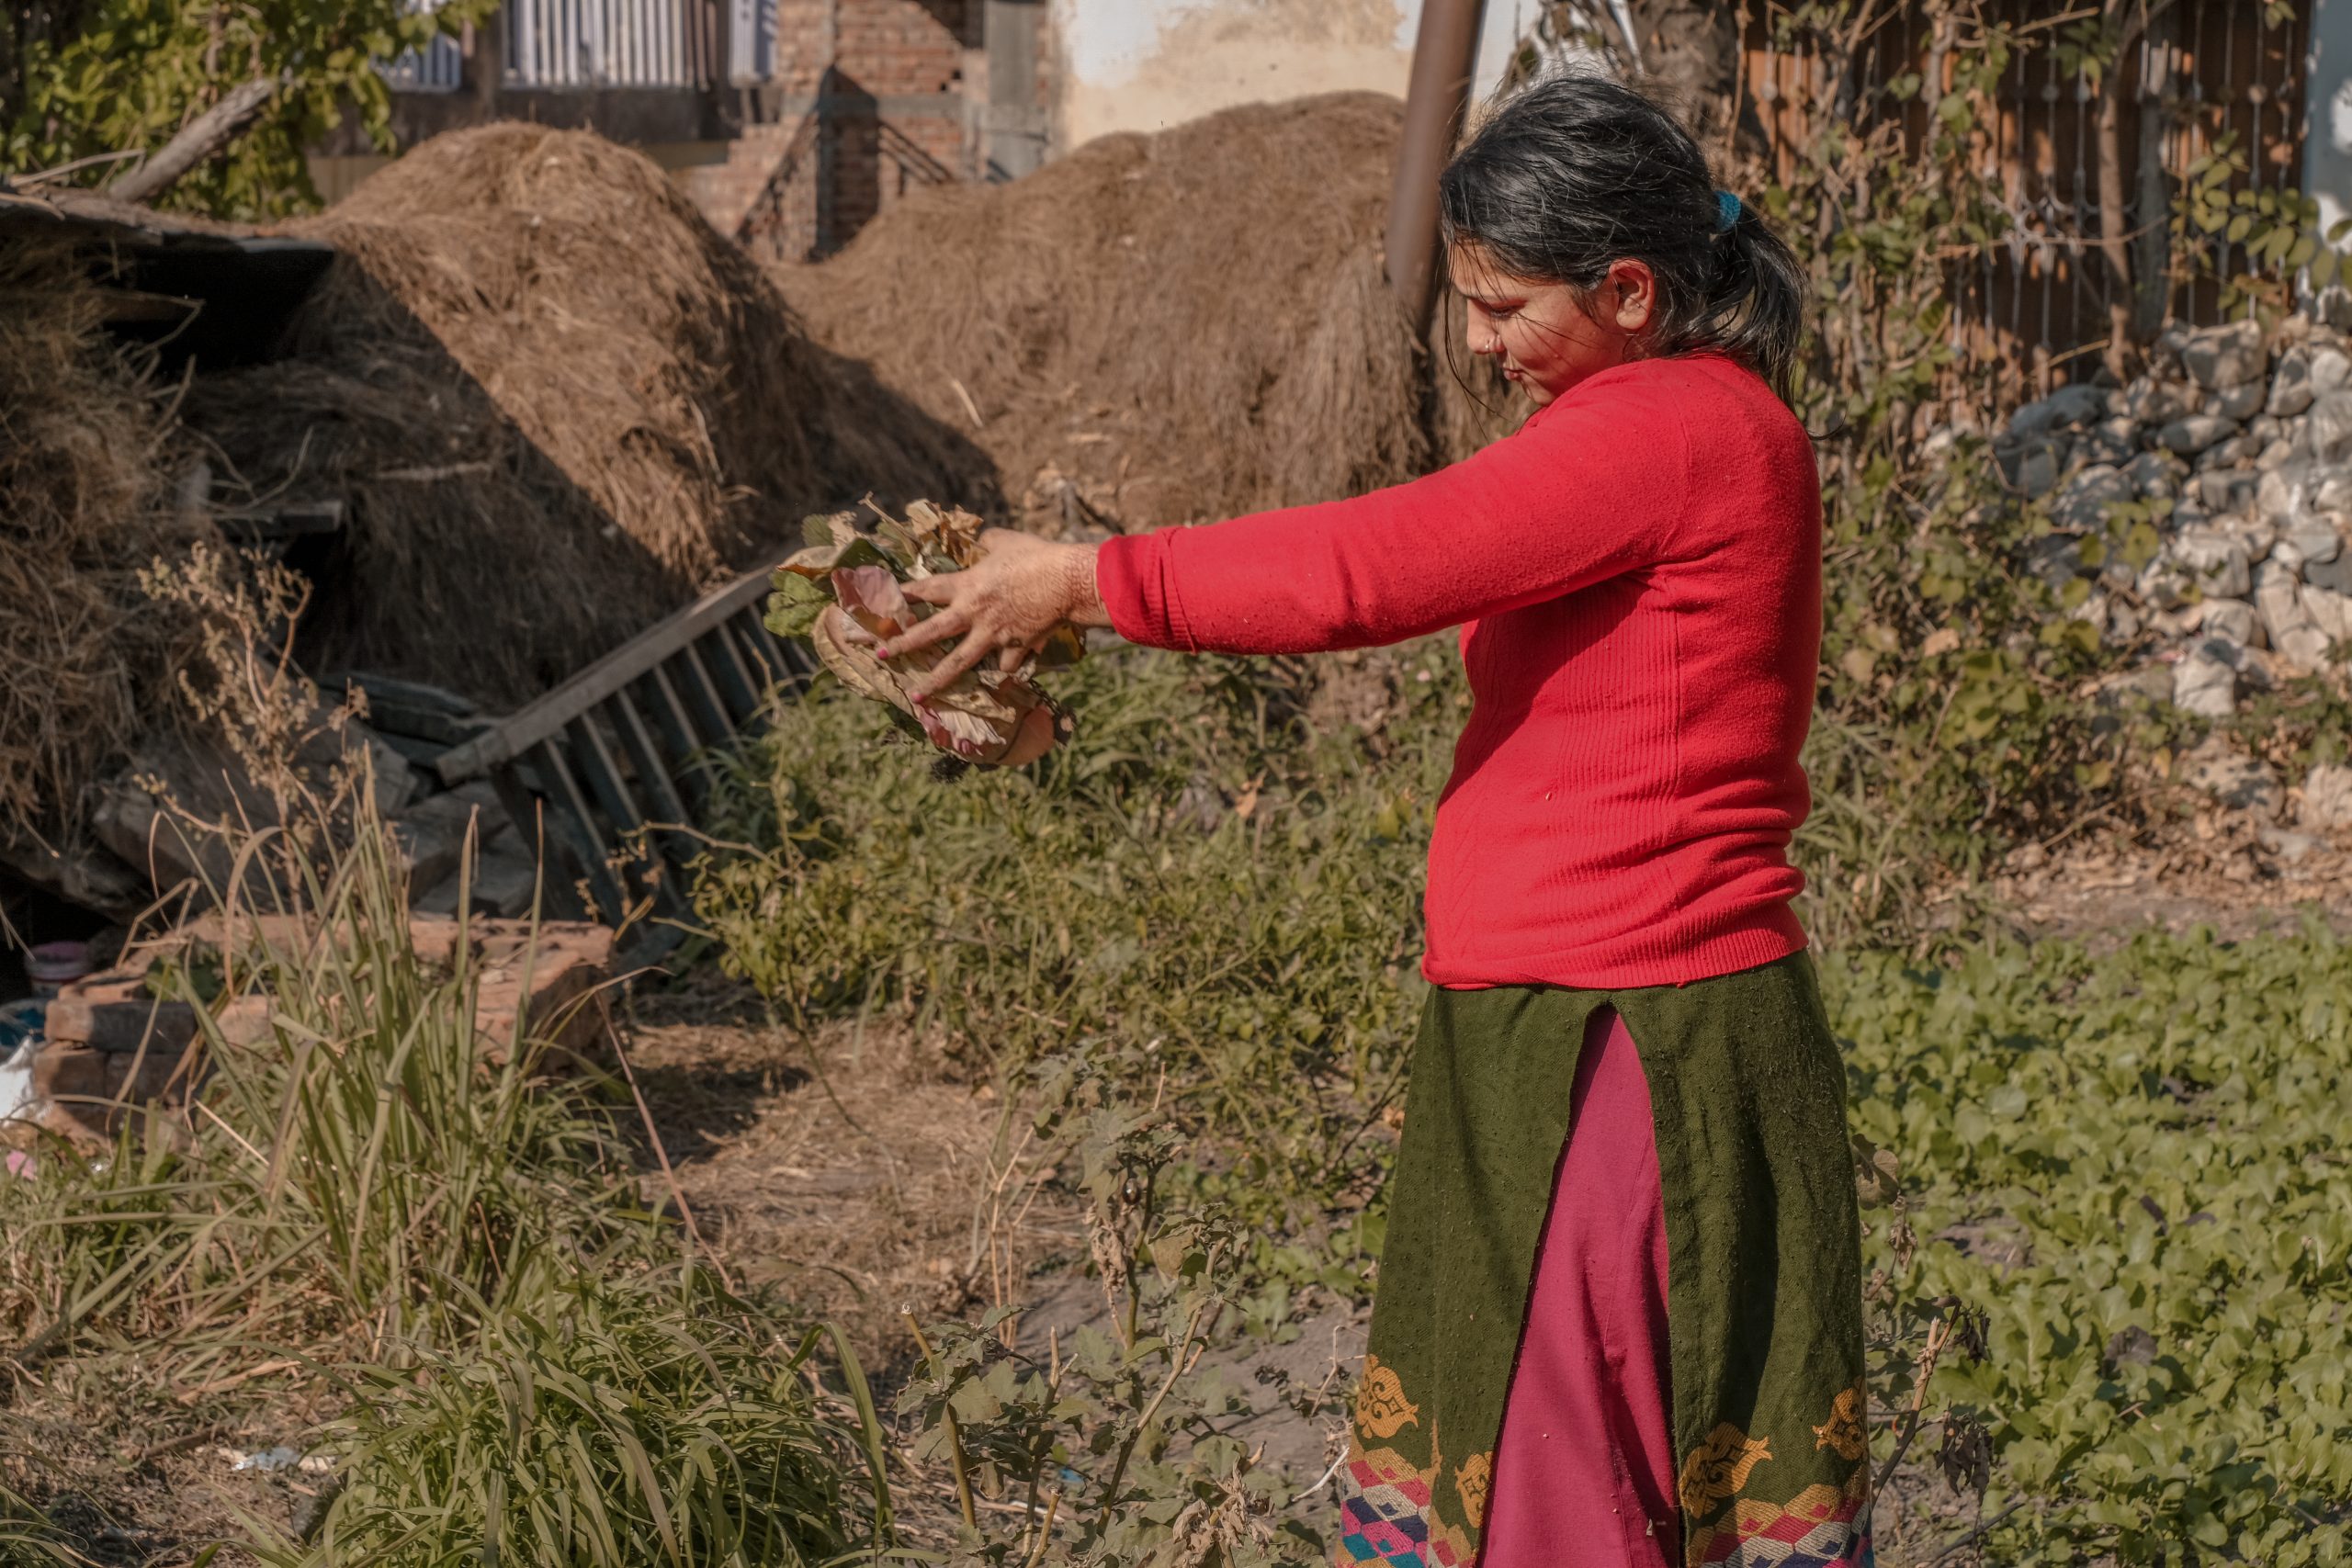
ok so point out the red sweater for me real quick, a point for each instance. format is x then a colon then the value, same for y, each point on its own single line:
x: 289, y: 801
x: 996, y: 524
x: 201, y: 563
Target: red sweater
x: 1637, y: 575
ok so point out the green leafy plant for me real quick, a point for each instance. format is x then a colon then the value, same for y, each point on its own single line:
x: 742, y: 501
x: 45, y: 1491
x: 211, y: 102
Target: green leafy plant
x: 86, y: 81
x: 2128, y: 1167
x: 1203, y: 870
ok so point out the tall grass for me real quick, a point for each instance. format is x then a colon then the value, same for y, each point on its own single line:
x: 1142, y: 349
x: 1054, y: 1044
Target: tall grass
x: 365, y: 1174
x: 618, y: 1422
x: 443, y: 1235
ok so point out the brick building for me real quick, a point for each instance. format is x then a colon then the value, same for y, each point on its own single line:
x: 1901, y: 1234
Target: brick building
x: 790, y: 122
x: 868, y: 99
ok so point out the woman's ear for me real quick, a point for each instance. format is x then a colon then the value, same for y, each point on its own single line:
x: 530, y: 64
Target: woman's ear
x: 1631, y: 294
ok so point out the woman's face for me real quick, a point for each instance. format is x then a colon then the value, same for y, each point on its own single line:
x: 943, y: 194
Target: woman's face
x: 1549, y: 336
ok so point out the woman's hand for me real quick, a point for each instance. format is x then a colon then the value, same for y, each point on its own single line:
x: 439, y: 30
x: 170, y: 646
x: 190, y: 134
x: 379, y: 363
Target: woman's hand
x: 1020, y: 588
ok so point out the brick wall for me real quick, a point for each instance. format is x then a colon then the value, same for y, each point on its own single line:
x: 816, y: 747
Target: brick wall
x: 872, y: 99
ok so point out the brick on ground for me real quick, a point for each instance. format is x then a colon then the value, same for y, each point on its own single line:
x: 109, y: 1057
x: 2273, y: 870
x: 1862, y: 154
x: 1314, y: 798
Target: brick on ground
x: 109, y: 1044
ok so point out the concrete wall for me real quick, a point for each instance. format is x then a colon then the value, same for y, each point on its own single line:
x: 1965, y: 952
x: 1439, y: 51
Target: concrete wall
x: 1148, y: 65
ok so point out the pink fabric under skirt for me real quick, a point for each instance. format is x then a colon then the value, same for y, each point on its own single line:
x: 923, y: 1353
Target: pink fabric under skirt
x: 1587, y: 1434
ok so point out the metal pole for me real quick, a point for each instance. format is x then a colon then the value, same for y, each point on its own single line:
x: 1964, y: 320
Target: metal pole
x: 1445, y: 56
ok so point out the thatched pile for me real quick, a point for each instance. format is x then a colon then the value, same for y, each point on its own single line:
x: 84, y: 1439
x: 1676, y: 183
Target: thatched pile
x: 554, y: 404
x: 85, y: 503
x: 1182, y: 325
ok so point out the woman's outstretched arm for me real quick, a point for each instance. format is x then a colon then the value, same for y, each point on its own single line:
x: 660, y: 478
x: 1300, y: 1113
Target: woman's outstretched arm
x: 1591, y: 488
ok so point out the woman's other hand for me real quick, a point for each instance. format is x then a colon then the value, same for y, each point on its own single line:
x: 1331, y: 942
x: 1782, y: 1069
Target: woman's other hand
x: 1020, y: 588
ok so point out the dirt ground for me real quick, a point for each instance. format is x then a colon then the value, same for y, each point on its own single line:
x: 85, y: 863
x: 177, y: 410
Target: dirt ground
x: 864, y: 1173
x: 2226, y: 871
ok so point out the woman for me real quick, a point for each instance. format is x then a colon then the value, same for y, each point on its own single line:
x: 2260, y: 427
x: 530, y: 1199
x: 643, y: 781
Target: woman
x: 1619, y: 1314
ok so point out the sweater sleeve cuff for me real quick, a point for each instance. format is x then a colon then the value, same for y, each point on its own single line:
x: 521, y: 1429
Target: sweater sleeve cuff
x: 1135, y: 574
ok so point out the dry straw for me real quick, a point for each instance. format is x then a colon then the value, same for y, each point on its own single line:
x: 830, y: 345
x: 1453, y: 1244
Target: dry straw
x: 82, y: 507
x: 555, y: 403
x: 1187, y: 324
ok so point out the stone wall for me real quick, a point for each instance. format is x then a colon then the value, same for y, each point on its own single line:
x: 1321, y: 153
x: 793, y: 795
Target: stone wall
x: 2205, y: 506
x: 2202, y: 513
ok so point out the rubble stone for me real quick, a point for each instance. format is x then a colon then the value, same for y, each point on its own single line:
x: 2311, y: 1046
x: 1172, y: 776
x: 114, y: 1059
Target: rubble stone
x: 2331, y: 371
x: 2160, y: 402
x: 2241, y: 445
x: 2236, y: 452
x: 2290, y: 847
x: 2238, y: 402
x: 2155, y: 474
x: 2083, y: 502
x: 2205, y: 683
x: 2218, y: 560
x: 2285, y: 494
x: 2229, y: 355
x: 2193, y: 434
x: 2066, y: 408
x: 2034, y: 464
x: 2331, y: 427
x: 2114, y: 441
x: 2232, y: 620
x: 2313, y: 540
x: 2291, y: 384
x: 2232, y: 778
x: 2225, y: 490
x: 2332, y: 575
x: 2327, y: 798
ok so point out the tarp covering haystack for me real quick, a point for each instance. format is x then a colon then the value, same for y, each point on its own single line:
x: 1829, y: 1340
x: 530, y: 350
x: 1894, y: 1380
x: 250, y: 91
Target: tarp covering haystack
x: 1180, y: 326
x: 554, y: 404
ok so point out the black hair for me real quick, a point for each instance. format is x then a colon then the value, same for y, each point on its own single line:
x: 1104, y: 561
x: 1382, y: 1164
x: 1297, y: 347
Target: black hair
x: 1577, y: 171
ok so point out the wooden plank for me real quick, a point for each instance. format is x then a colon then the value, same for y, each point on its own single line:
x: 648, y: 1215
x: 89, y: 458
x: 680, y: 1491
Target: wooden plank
x: 747, y: 632
x: 784, y: 657
x: 545, y: 719
x: 675, y: 728
x: 746, y: 692
x: 736, y: 703
x: 702, y: 697
x: 765, y: 677
x: 594, y: 761
x: 652, y: 772
x: 569, y: 821
x: 674, y: 847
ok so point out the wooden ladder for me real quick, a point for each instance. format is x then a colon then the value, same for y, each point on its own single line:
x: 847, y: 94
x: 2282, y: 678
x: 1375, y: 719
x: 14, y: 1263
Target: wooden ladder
x: 617, y: 760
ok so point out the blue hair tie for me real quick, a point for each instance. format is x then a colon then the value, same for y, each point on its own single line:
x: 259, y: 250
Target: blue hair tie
x: 1728, y: 209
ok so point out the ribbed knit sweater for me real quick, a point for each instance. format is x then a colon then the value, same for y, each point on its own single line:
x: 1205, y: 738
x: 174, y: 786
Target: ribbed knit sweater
x: 1637, y: 575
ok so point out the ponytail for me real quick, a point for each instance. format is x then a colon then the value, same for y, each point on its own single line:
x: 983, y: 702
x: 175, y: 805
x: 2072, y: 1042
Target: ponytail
x: 1755, y: 300
x: 1576, y: 172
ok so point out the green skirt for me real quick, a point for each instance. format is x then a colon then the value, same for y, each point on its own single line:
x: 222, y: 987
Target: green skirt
x: 1763, y: 1267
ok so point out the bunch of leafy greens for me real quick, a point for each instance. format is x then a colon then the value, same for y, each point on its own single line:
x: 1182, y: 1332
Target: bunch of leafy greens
x: 844, y: 595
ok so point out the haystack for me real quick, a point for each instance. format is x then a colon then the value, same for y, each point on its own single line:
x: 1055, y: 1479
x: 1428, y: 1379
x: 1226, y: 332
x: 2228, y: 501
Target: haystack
x: 85, y: 503
x: 1180, y: 326
x: 554, y: 405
